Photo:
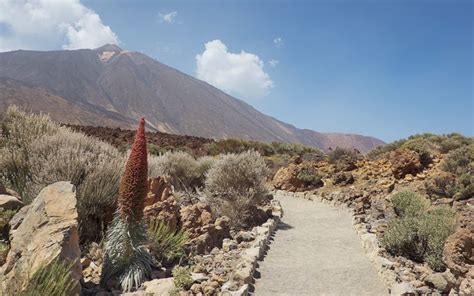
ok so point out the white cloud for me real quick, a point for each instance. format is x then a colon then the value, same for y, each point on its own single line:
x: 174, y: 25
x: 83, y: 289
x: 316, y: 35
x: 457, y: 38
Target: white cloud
x: 169, y: 18
x: 48, y: 24
x: 273, y: 62
x: 241, y: 74
x: 278, y: 41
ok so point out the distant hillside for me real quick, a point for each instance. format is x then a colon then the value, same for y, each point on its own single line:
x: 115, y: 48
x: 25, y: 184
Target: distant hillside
x: 113, y: 87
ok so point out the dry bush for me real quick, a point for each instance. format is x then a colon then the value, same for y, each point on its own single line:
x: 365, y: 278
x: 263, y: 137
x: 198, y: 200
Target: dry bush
x: 310, y: 177
x: 94, y: 167
x: 237, y: 181
x: 180, y: 168
x: 17, y: 131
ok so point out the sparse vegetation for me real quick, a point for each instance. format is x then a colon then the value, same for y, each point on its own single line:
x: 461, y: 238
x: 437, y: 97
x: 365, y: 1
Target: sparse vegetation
x: 419, y: 233
x: 424, y: 144
x: 166, y: 244
x: 182, y: 280
x: 310, y: 177
x: 343, y: 159
x: 53, y: 279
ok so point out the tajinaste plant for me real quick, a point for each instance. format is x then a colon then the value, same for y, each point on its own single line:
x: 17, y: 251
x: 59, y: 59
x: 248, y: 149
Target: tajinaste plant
x: 126, y: 257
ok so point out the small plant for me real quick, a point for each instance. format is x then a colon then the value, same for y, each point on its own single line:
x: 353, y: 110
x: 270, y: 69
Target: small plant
x: 53, y: 280
x: 166, y: 243
x: 4, y: 248
x: 408, y: 204
x: 126, y: 256
x: 182, y: 280
x: 310, y: 177
x: 343, y: 159
x: 5, y: 217
x: 419, y: 233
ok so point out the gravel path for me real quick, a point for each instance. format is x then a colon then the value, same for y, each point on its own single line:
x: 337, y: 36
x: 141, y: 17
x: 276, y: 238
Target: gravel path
x: 316, y: 251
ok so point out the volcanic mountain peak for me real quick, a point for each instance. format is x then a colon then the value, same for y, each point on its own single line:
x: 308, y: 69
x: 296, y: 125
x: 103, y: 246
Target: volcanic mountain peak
x: 115, y: 87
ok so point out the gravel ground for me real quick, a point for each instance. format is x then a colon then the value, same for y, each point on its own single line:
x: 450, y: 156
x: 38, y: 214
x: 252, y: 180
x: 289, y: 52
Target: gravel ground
x: 316, y: 251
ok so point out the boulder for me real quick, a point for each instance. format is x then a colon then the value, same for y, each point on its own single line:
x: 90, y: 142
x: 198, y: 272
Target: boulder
x: 343, y: 178
x: 404, y: 162
x: 458, y: 251
x: 9, y: 202
x: 437, y: 281
x: 159, y: 287
x: 403, y: 289
x: 48, y: 232
x: 160, y: 204
x: 286, y: 178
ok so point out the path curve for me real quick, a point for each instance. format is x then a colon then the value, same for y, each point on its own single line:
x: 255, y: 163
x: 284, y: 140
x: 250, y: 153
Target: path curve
x: 316, y: 251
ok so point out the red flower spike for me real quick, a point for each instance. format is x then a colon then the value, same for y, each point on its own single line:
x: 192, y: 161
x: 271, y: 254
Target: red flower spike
x: 134, y: 185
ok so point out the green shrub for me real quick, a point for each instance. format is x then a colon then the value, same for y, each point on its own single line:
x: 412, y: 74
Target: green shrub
x: 310, y: 177
x: 419, y: 234
x: 182, y: 280
x: 409, y: 204
x: 180, y: 168
x: 237, y: 181
x: 5, y: 217
x: 17, y: 131
x: 343, y: 159
x: 204, y: 164
x: 166, y: 244
x: 459, y: 161
x: 441, y: 186
x: 53, y: 280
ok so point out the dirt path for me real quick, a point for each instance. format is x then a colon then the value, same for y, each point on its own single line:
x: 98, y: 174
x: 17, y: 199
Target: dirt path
x: 316, y: 252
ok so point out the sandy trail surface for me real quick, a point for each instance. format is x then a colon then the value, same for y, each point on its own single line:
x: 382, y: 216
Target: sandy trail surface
x: 316, y: 251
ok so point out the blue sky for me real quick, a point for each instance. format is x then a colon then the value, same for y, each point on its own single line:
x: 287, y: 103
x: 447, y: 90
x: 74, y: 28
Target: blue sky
x: 387, y: 69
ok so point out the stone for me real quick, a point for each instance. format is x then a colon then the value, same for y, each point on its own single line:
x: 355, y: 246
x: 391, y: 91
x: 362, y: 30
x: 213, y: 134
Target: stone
x: 245, y: 236
x: 228, y: 244
x: 458, y: 250
x: 48, y: 232
x: 403, y: 289
x: 8, y: 202
x: 437, y: 281
x: 199, y: 277
x: 159, y: 287
x: 404, y: 162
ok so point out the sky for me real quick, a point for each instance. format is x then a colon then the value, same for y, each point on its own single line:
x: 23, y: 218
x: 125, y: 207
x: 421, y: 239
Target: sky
x: 386, y: 68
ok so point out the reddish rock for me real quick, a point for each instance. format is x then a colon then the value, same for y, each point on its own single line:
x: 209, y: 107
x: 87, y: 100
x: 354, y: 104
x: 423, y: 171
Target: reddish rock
x: 405, y: 162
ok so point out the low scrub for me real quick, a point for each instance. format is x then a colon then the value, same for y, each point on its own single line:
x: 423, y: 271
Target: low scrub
x: 310, y: 177
x: 237, y: 181
x: 459, y: 161
x: 17, y: 131
x: 94, y: 167
x: 419, y: 233
x: 36, y: 152
x: 343, y: 159
x: 424, y: 144
x: 181, y: 169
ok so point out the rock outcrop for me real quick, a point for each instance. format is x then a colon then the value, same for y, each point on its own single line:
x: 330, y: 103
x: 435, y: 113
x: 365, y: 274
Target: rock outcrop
x: 204, y: 233
x: 160, y: 204
x: 47, y: 231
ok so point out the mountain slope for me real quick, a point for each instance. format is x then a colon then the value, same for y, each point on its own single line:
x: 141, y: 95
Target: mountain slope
x: 118, y: 87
